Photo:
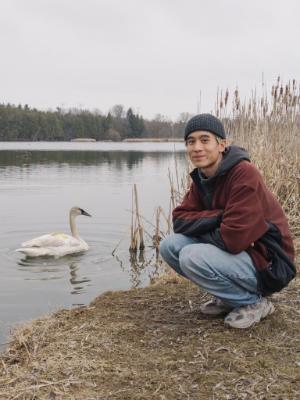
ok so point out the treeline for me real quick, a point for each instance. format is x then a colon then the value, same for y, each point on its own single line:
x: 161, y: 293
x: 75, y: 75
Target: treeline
x: 22, y: 123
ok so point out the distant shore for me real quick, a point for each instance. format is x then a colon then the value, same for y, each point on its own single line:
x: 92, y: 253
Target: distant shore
x: 153, y: 140
x: 130, y: 140
x: 83, y: 140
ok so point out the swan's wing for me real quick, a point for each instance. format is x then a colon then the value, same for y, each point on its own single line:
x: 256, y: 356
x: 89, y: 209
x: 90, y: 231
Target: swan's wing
x: 34, y: 251
x: 58, y: 251
x: 55, y: 239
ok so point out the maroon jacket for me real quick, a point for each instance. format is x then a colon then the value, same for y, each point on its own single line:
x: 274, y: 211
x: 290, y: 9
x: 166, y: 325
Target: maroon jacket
x: 233, y: 210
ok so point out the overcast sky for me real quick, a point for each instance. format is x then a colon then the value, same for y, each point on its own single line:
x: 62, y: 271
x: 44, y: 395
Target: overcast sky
x: 153, y: 55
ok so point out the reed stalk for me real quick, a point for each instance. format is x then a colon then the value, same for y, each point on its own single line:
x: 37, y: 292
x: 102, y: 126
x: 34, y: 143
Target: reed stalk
x: 136, y: 230
x: 140, y: 227
x: 157, y: 237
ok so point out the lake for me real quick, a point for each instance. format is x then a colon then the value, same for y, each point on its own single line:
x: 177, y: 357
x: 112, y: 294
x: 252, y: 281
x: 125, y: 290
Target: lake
x: 40, y: 182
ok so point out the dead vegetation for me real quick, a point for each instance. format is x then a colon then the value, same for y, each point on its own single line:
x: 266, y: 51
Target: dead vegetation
x: 153, y: 343
x: 269, y: 128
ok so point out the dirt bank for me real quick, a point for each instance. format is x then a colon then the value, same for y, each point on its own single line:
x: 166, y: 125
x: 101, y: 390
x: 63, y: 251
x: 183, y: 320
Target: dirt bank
x: 153, y: 343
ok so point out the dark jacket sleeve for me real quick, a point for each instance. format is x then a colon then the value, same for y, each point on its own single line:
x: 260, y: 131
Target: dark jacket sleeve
x: 190, y: 217
x: 214, y: 237
x: 243, y: 219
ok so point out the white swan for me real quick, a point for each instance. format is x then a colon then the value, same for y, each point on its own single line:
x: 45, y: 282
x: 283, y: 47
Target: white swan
x: 57, y: 244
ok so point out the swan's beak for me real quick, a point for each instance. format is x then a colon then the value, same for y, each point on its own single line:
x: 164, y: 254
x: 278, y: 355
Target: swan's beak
x: 85, y: 213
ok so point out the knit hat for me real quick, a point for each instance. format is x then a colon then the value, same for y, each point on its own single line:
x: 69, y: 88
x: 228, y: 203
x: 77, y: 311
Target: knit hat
x: 205, y: 122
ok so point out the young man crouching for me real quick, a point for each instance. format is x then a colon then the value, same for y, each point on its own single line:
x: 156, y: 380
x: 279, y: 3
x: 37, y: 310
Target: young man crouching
x: 231, y: 235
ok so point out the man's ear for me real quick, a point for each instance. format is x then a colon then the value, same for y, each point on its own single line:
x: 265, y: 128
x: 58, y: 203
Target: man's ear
x: 222, y: 145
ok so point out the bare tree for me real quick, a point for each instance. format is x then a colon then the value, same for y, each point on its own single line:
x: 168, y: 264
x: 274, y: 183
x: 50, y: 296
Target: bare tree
x: 118, y: 111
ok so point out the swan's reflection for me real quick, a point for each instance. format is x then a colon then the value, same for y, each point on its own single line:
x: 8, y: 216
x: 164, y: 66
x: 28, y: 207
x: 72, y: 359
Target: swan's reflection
x: 141, y: 267
x: 49, y: 269
x: 76, y: 281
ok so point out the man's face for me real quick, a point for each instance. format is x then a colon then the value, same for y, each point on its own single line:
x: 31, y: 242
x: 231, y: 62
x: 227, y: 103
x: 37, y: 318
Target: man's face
x: 204, y: 151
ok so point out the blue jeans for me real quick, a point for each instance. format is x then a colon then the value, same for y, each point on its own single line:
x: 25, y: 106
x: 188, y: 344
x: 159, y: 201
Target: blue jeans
x: 230, y: 277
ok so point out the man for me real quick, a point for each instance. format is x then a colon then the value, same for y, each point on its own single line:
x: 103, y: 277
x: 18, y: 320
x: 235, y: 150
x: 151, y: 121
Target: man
x: 231, y: 235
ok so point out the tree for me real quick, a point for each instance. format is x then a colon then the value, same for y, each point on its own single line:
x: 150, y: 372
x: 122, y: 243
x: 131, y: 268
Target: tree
x: 183, y: 117
x: 135, y: 124
x: 112, y: 134
x: 118, y: 111
x: 107, y: 122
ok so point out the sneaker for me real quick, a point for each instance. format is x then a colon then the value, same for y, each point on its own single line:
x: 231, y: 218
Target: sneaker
x: 246, y: 316
x: 215, y: 307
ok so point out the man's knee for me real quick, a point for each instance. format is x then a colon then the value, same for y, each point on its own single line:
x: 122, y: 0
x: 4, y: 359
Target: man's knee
x: 194, y: 259
x: 166, y: 247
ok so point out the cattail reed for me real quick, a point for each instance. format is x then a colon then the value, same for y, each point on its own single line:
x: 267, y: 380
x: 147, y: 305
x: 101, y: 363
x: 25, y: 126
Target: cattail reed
x: 137, y: 231
x: 157, y: 237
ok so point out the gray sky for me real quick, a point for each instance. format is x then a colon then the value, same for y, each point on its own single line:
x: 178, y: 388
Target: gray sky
x: 153, y: 55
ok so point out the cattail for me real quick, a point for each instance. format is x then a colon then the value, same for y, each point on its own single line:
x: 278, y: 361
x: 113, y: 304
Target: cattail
x: 140, y: 228
x: 281, y: 91
x: 156, y: 237
x: 294, y: 102
x: 226, y: 97
x: 262, y: 102
x: 273, y: 91
x: 136, y: 231
x: 265, y: 110
x: 287, y: 90
x: 237, y: 99
x: 294, y: 84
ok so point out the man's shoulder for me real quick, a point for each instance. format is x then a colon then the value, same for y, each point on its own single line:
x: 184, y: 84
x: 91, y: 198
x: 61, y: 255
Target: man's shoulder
x: 244, y: 172
x: 244, y: 166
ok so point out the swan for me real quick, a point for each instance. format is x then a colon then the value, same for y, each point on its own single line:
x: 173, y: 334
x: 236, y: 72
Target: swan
x: 57, y: 244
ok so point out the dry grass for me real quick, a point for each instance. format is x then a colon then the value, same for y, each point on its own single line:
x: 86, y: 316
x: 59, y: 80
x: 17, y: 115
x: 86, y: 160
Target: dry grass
x: 153, y: 343
x: 269, y: 128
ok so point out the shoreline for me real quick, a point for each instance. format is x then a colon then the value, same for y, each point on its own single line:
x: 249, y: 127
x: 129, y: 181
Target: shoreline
x: 153, y: 343
x: 150, y: 140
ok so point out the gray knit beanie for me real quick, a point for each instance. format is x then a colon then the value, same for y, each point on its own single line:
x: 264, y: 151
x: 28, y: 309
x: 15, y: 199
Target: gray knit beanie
x: 205, y: 122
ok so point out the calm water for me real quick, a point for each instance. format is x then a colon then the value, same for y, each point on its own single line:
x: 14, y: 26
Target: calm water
x: 39, y: 183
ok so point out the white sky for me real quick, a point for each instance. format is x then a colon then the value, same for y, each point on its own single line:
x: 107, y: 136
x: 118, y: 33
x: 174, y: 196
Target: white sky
x: 153, y: 55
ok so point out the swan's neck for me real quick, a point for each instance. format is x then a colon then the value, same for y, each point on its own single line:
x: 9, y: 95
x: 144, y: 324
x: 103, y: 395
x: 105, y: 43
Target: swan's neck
x: 73, y: 227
